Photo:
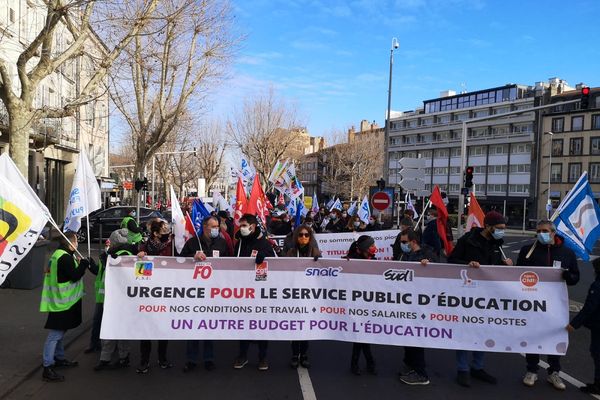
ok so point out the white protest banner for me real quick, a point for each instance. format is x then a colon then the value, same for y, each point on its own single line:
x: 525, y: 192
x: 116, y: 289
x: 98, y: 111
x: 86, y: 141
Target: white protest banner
x: 501, y: 309
x: 334, y: 245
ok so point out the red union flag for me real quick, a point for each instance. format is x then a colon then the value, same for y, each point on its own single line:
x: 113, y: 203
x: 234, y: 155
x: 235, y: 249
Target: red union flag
x: 241, y: 203
x: 476, y: 215
x: 257, y: 204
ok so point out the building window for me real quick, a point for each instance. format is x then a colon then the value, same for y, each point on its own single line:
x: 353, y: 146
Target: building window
x: 454, y: 187
x: 522, y: 148
x: 426, y: 153
x: 557, y: 147
x: 574, y: 171
x: 444, y: 119
x: 558, y: 124
x: 491, y: 188
x: 556, y: 173
x: 440, y: 171
x: 594, y: 172
x: 440, y: 153
x: 595, y: 145
x: 477, y: 151
x: 518, y: 188
x: 577, y: 123
x: 498, y: 149
x: 519, y: 168
x: 596, y: 121
x: 455, y: 152
x: 576, y: 147
x: 454, y: 170
x: 497, y: 169
x: 479, y: 169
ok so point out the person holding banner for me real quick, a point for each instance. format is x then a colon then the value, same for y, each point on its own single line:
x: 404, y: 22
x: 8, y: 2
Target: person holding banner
x: 252, y: 243
x: 549, y: 251
x: 363, y: 248
x: 159, y: 243
x: 135, y: 232
x: 119, y: 246
x: 210, y: 244
x: 304, y: 244
x: 414, y: 357
x: 61, y: 299
x: 479, y: 246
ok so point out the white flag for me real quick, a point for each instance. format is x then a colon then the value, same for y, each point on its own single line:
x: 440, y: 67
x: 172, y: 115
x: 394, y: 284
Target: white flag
x: 411, y: 206
x: 178, y: 219
x: 21, y: 222
x: 315, y: 204
x: 85, y: 195
x: 352, y: 209
x: 364, y: 212
x: 337, y: 205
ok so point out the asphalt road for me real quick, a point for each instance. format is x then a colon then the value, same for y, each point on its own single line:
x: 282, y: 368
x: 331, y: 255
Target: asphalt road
x: 328, y: 378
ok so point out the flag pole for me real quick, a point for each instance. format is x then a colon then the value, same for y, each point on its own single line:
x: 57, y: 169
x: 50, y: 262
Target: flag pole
x: 187, y: 214
x: 54, y: 224
x: 423, y: 212
x: 87, y: 216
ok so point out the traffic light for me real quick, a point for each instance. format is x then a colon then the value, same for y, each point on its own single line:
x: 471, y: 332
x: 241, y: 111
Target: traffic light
x: 585, y: 98
x: 139, y: 184
x: 469, y: 177
x: 381, y: 184
x: 145, y: 186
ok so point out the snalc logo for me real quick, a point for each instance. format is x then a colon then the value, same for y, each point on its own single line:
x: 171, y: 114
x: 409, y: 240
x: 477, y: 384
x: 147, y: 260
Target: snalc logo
x: 329, y: 271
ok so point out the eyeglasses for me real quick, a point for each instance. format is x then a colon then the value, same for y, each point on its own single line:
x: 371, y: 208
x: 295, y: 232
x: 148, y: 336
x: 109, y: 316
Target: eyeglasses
x: 304, y: 234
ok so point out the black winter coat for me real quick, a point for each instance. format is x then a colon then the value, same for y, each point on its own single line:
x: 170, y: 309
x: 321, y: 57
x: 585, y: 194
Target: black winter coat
x: 472, y: 246
x: 417, y: 256
x: 208, y: 246
x: 431, y: 237
x: 545, y: 255
x: 255, y: 241
x: 66, y: 272
x: 589, y: 316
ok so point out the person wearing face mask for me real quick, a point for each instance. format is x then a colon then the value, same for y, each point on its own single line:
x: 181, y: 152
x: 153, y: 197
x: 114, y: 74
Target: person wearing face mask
x: 479, y: 246
x: 373, y: 225
x: 414, y: 357
x: 363, y: 248
x: 157, y: 244
x: 211, y: 243
x: 431, y: 237
x: 336, y: 223
x: 280, y: 223
x: 61, y: 299
x: 405, y: 224
x: 134, y: 235
x: 549, y: 251
x: 355, y: 225
x: 304, y: 244
x: 252, y: 243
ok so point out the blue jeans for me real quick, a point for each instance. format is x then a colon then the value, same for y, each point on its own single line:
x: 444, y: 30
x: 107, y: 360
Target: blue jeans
x: 53, y: 347
x: 192, y: 350
x: 462, y: 360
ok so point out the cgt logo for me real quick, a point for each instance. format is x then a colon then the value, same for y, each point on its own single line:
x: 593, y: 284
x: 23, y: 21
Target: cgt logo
x: 400, y: 275
x: 329, y: 271
x: 529, y: 279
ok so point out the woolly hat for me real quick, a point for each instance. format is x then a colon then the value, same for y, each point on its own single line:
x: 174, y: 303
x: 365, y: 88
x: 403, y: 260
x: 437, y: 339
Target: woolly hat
x: 118, y: 237
x: 364, y: 242
x: 493, y: 218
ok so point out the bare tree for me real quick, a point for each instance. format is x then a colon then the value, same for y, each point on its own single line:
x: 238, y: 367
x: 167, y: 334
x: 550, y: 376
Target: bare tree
x: 180, y: 54
x: 45, y: 53
x: 266, y: 130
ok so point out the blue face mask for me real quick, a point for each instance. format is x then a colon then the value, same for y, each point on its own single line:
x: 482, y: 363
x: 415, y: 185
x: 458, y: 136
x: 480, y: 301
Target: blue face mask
x: 544, y: 237
x: 498, y: 234
x: 405, y: 247
x: 214, y: 233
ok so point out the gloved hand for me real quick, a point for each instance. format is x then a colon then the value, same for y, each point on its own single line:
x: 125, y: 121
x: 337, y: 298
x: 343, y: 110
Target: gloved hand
x: 565, y: 274
x: 316, y: 258
x: 84, y: 263
x: 259, y: 258
x: 92, y: 263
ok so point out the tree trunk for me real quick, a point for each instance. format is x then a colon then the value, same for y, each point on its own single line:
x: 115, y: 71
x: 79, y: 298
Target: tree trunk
x: 19, y: 128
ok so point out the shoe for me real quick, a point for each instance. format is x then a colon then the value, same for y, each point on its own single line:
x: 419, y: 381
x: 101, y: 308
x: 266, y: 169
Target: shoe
x: 414, y: 378
x: 209, y: 365
x: 304, y: 361
x: 483, y: 376
x: 530, y: 378
x: 123, y: 362
x: 554, y: 380
x: 371, y: 368
x: 355, y: 369
x: 189, y: 366
x: 64, y: 363
x: 295, y: 362
x: 103, y: 365
x: 240, y: 363
x: 590, y: 388
x: 463, y: 379
x: 263, y: 365
x: 165, y: 365
x: 143, y: 369
x: 50, y: 375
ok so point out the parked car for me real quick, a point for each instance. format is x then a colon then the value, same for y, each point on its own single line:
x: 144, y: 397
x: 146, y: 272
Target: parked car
x: 110, y: 219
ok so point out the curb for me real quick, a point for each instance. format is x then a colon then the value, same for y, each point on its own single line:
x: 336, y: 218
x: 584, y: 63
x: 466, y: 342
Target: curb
x: 11, y: 388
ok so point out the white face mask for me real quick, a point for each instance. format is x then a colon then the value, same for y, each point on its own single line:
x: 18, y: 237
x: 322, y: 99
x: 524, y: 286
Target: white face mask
x: 214, y: 232
x: 245, y: 230
x: 356, y: 224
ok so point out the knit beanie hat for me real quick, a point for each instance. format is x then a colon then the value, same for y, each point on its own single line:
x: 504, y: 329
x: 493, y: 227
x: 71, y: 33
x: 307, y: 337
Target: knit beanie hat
x: 364, y: 242
x: 118, y: 237
x: 493, y: 218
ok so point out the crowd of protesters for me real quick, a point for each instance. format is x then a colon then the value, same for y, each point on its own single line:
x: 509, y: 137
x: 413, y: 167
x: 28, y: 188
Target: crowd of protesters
x: 479, y: 247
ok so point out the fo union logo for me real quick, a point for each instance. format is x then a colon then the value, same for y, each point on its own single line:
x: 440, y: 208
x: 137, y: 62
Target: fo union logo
x: 400, y: 275
x: 529, y: 279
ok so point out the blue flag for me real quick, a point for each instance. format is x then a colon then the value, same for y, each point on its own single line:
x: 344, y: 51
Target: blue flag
x: 199, y: 212
x: 299, y: 212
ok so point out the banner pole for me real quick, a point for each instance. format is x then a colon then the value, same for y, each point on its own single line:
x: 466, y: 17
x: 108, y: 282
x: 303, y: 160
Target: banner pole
x: 61, y: 233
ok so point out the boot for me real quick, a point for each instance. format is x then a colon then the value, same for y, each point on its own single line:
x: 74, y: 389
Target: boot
x: 295, y: 362
x: 371, y: 367
x: 354, y: 368
x: 50, y: 375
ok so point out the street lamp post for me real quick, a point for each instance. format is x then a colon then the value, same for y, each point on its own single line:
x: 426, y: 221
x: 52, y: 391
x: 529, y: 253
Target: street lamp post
x: 386, y: 166
x: 549, y: 204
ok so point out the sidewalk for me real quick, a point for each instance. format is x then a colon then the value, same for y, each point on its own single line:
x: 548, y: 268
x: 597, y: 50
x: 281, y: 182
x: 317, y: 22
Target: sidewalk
x: 22, y: 332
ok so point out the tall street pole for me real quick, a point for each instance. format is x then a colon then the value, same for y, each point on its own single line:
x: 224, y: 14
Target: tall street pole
x: 549, y: 203
x: 386, y: 162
